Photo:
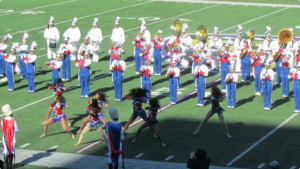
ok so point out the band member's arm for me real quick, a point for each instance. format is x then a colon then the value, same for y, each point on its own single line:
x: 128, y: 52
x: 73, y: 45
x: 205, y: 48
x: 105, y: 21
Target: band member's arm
x: 87, y: 62
x: 122, y: 36
x: 150, y: 70
x: 227, y: 78
x: 32, y: 59
x: 57, y: 65
x: 113, y: 65
x: 56, y: 34
x: 263, y: 75
x: 100, y: 37
x: 235, y: 77
x: 291, y: 73
x: 11, y: 59
x: 271, y: 75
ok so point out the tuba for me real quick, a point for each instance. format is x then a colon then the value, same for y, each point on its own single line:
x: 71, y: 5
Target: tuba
x: 250, y: 35
x: 284, y: 36
x: 201, y: 33
x: 140, y: 35
x: 175, y: 27
x: 157, y: 36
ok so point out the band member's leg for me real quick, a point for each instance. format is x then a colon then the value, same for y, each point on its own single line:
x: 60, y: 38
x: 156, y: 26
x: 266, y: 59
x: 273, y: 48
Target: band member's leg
x: 68, y: 67
x: 82, y: 83
x: 63, y: 76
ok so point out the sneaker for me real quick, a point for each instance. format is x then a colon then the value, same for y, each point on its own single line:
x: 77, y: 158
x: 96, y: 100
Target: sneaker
x: 173, y: 103
x: 243, y: 80
x: 118, y: 100
x: 284, y: 95
x: 63, y: 80
x: 163, y: 145
x: 223, y: 90
x: 10, y: 90
x: 296, y: 111
x: 86, y: 96
x: 232, y: 107
x: 159, y: 74
x: 1, y: 75
x: 267, y: 108
x: 200, y: 105
x: 81, y: 96
x: 155, y: 74
x: 137, y: 73
x: 28, y: 91
x: 229, y: 107
x: 21, y: 77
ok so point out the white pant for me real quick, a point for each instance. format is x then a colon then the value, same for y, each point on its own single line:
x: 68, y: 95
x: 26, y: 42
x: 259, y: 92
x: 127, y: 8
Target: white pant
x: 238, y: 63
x: 96, y: 56
x: 73, y: 55
x: 51, y: 53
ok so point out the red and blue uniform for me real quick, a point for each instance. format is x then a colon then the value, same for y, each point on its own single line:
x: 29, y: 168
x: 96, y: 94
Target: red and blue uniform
x: 146, y: 72
x: 84, y: 75
x: 295, y: 75
x: 285, y: 70
x: 10, y: 128
x: 55, y: 65
x: 66, y: 65
x: 157, y: 55
x: 152, y: 113
x: 137, y: 106
x: 23, y: 55
x: 113, y: 53
x: 2, y: 58
x: 30, y: 62
x: 145, y: 55
x: 139, y: 43
x: 11, y: 62
x: 58, y: 113
x: 225, y: 62
x: 257, y: 64
x: 246, y: 64
x: 115, y: 136
x: 277, y: 66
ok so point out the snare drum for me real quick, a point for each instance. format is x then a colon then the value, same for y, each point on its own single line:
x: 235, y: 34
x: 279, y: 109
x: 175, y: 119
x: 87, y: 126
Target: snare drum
x: 74, y: 46
x: 53, y: 44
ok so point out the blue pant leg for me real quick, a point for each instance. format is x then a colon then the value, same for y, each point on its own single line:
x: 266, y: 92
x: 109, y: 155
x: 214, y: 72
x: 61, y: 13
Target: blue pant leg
x: 149, y: 89
x: 115, y: 86
x: 120, y: 86
x: 159, y: 60
x: 278, y: 71
x: 68, y: 67
x: 243, y: 69
x: 87, y: 82
x: 248, y: 67
x: 2, y: 66
x: 269, y: 88
x: 63, y: 69
x: 10, y: 76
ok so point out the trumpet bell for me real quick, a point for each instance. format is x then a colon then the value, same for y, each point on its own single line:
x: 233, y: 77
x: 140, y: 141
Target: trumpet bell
x: 201, y: 33
x: 175, y: 27
x: 285, y: 35
x: 141, y: 35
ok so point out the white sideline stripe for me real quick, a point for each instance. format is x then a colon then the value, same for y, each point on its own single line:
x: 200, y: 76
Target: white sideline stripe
x: 169, y: 158
x: 38, y: 7
x: 234, y: 3
x: 201, y: 9
x: 293, y: 167
x: 139, y: 155
x: 52, y: 148
x: 261, y: 165
x: 41, y: 32
x: 8, y: 29
x: 25, y: 145
x: 261, y: 139
x: 42, y: 48
x: 255, y: 19
x: 82, y: 17
x: 87, y: 147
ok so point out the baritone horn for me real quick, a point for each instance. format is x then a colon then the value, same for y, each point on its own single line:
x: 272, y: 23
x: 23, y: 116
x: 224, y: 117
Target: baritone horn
x: 140, y: 35
x: 284, y: 36
x: 175, y: 27
x: 250, y: 36
x: 201, y: 33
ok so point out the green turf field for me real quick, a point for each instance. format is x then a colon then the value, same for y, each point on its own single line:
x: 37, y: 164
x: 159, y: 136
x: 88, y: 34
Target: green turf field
x: 247, y: 124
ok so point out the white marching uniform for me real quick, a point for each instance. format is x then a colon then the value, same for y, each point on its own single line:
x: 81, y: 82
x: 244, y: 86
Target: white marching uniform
x: 147, y: 36
x: 186, y: 43
x: 237, y: 44
x: 118, y: 35
x: 266, y: 47
x: 84, y: 47
x: 74, y: 36
x: 95, y: 35
x: 215, y: 44
x: 52, y: 36
x: 292, y: 48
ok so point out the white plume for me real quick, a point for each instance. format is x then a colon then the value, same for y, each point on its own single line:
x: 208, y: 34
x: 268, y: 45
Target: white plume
x: 25, y: 36
x: 268, y: 28
x: 75, y: 19
x: 8, y: 36
x: 240, y: 27
x: 33, y: 44
x: 229, y: 42
x: 51, y: 18
x: 143, y: 22
x: 216, y: 28
x: 15, y: 45
x: 291, y: 29
x: 95, y: 19
x: 118, y: 18
x: 185, y: 26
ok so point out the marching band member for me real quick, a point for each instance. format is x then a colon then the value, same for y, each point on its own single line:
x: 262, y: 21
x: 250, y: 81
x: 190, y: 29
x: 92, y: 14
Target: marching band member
x: 51, y: 35
x: 186, y: 42
x: 201, y: 72
x: 118, y: 35
x: 23, y: 49
x: 138, y: 96
x: 225, y: 62
x: 58, y: 116
x: 231, y: 79
x: 267, y: 76
x: 173, y: 73
x: 237, y: 47
x: 30, y: 62
x: 152, y: 121
x: 85, y: 47
x: 118, y: 67
x: 216, y: 97
x: 278, y: 59
x: 195, y: 57
x: 158, y: 43
x: 146, y: 53
x: 114, y: 137
x: 146, y: 33
x: 11, y: 62
x: 295, y: 75
x: 139, y: 43
x: 297, y: 58
x: 85, y: 73
x: 74, y: 36
x: 215, y: 44
x: 245, y: 56
x: 257, y: 60
x: 3, y: 47
x: 146, y: 72
x: 113, y: 52
x: 267, y: 43
x: 10, y: 128
x: 291, y: 46
x: 96, y: 38
x: 285, y: 65
x: 65, y: 51
x: 96, y: 119
x: 55, y: 65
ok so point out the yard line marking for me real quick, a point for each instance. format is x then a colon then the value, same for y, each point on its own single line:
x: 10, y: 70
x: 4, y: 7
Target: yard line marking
x: 293, y: 167
x: 52, y: 148
x: 8, y: 30
x: 82, y: 17
x: 0, y: 141
x: 235, y: 3
x: 169, y: 158
x: 42, y: 48
x: 41, y: 32
x: 139, y: 155
x: 255, y: 19
x: 38, y: 7
x: 261, y: 139
x: 261, y: 165
x: 25, y: 145
x: 140, y: 120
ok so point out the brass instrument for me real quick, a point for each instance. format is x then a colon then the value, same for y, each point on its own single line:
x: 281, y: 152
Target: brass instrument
x: 140, y: 35
x: 157, y: 36
x: 175, y: 27
x: 202, y: 34
x: 284, y: 36
x: 250, y: 35
x: 243, y: 52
